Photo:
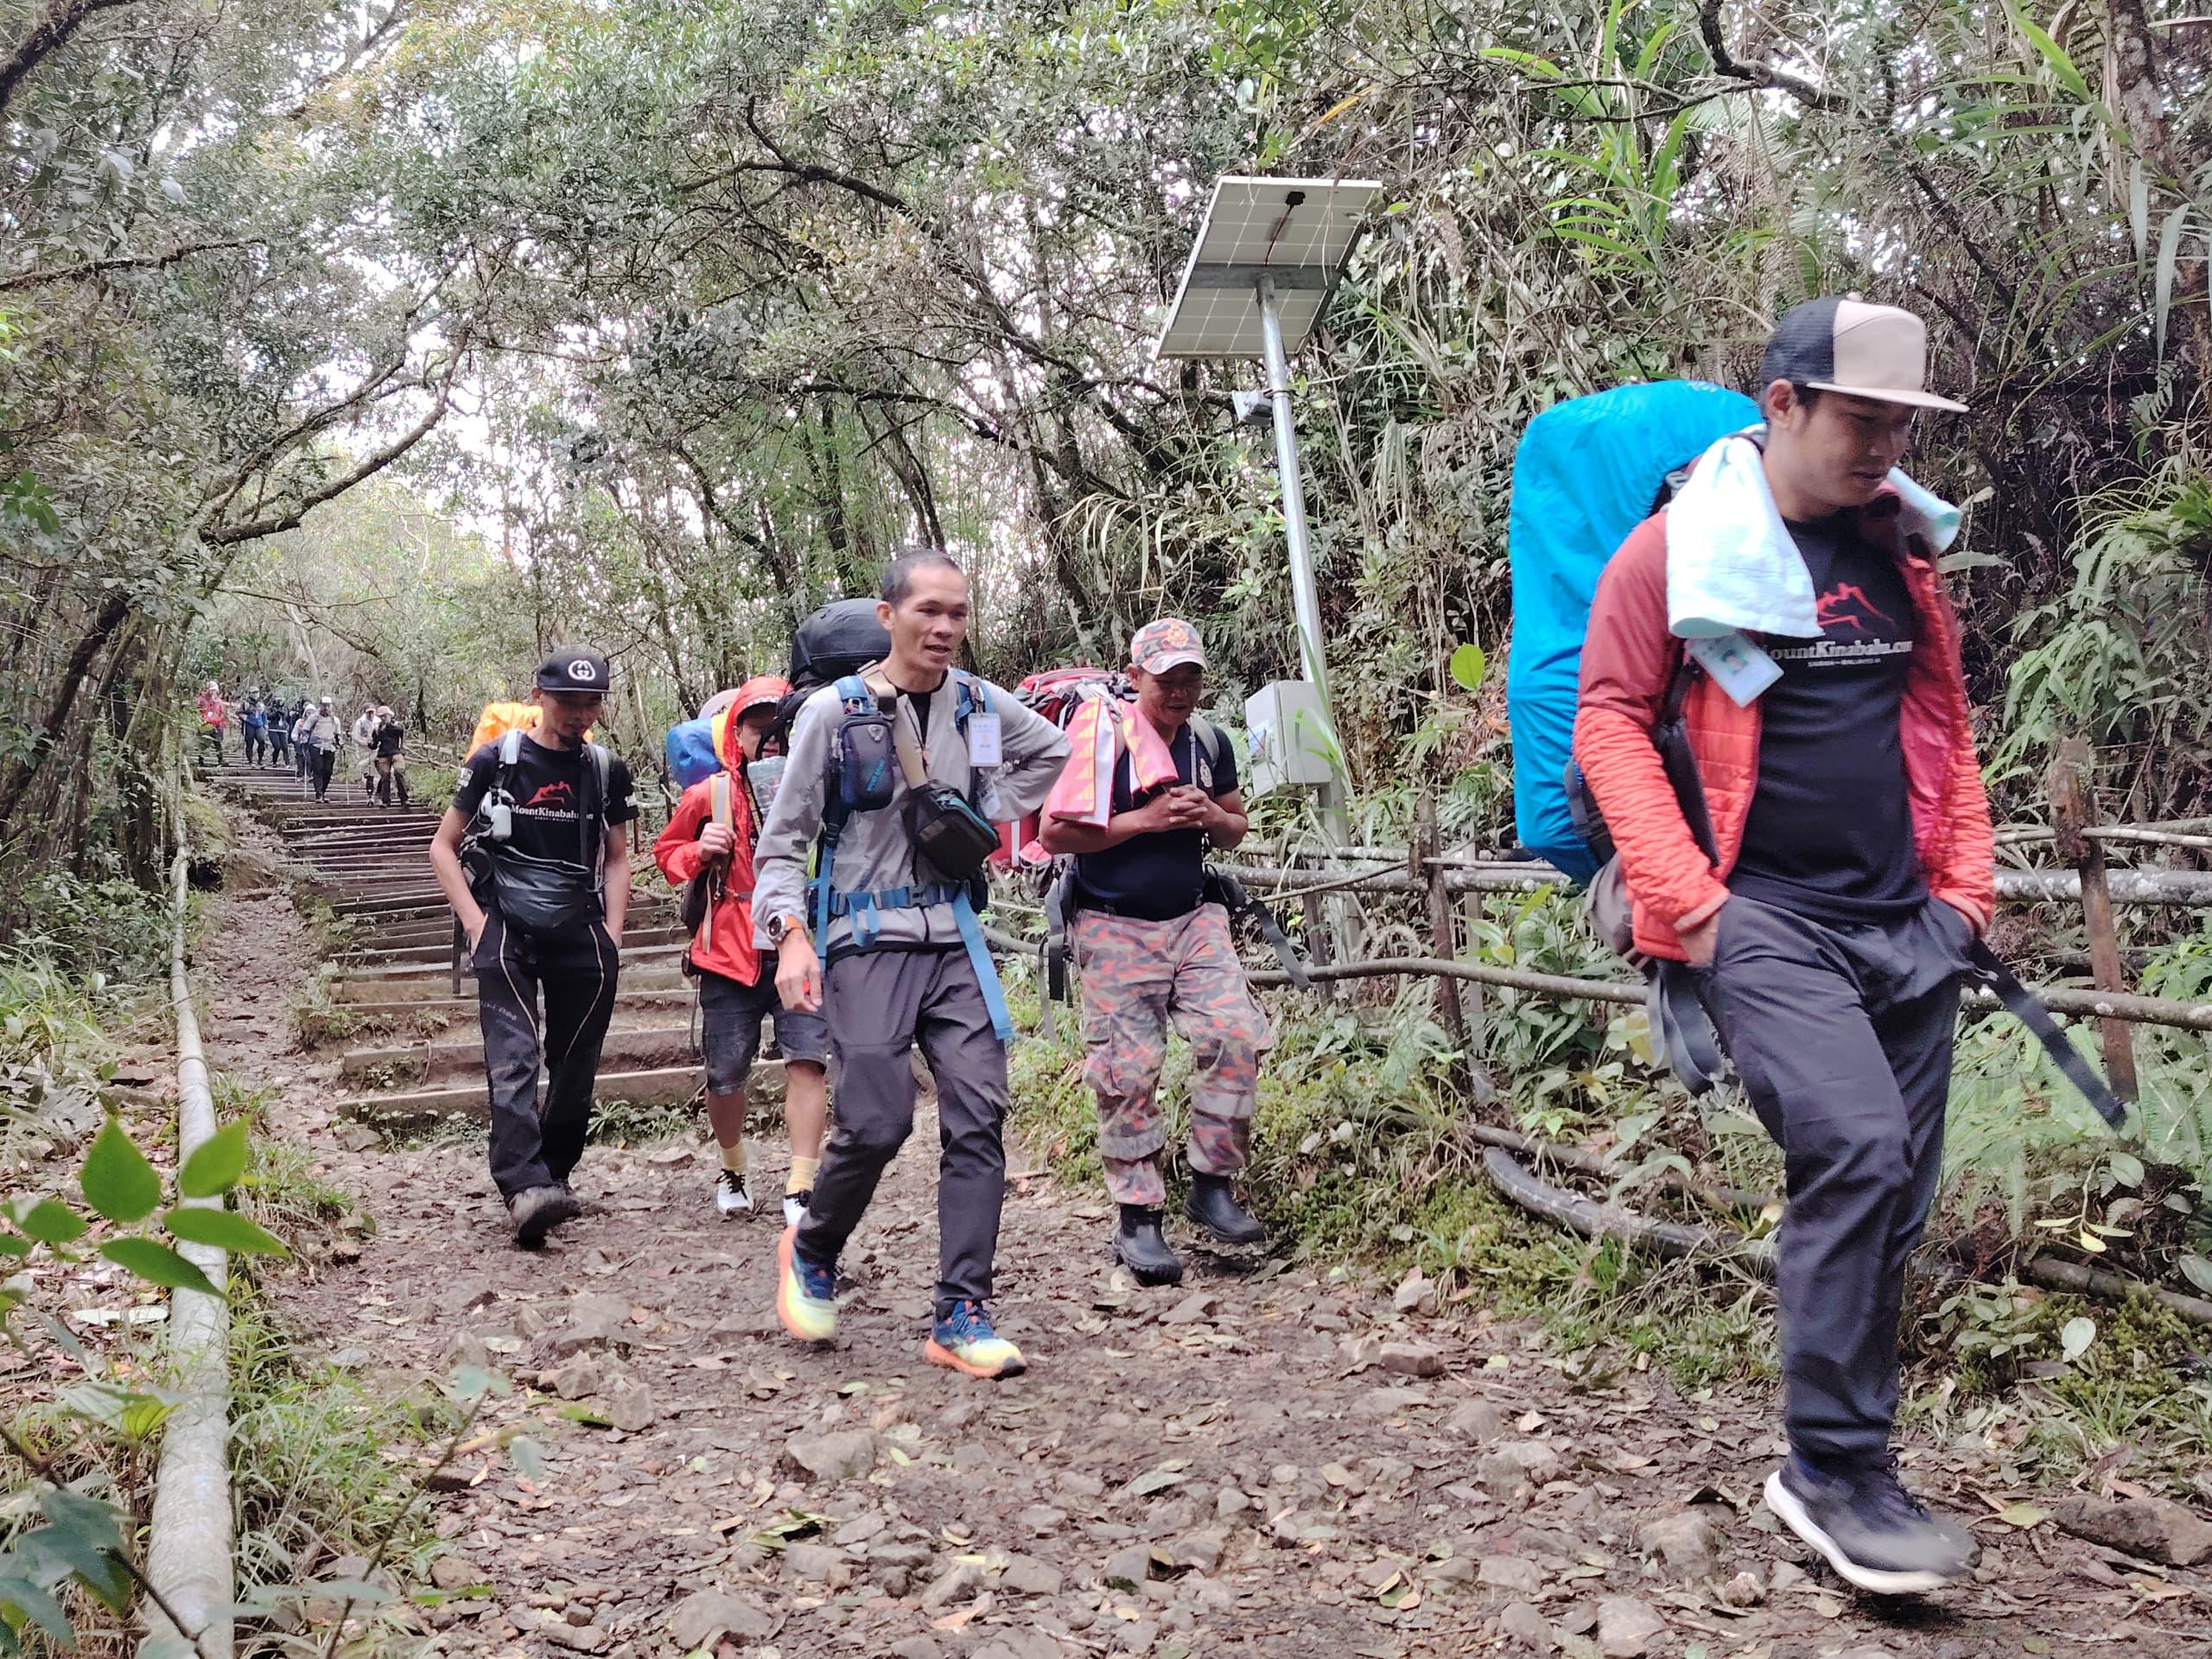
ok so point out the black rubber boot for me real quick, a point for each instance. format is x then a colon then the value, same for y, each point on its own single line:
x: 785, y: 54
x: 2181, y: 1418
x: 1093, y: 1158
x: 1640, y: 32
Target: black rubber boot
x: 1138, y: 1247
x: 1214, y: 1207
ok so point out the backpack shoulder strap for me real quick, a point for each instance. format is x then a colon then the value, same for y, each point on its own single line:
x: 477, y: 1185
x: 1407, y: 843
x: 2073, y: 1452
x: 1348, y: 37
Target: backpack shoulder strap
x: 1211, y: 746
x: 591, y: 838
x: 969, y: 697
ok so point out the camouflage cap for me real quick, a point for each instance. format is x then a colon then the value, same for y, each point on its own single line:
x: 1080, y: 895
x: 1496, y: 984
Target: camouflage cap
x: 1158, y: 647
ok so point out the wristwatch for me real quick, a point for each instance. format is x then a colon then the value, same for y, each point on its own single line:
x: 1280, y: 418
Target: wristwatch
x: 781, y: 927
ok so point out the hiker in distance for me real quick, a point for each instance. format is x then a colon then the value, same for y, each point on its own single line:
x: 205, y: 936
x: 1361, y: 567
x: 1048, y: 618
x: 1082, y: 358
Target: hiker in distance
x: 1854, y: 864
x: 533, y: 857
x: 391, y: 745
x: 279, y: 716
x: 364, y: 748
x: 253, y: 727
x: 214, y: 713
x: 896, y: 776
x: 710, y: 840
x: 303, y: 717
x: 1153, y: 947
x: 324, y: 733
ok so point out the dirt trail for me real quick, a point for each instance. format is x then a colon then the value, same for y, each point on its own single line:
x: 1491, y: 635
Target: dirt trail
x: 1276, y: 1462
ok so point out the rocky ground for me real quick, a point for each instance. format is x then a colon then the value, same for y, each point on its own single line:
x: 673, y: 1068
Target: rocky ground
x: 1272, y: 1459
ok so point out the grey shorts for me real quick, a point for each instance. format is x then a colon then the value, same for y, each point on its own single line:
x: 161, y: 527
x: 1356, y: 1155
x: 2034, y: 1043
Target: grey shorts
x: 729, y: 1029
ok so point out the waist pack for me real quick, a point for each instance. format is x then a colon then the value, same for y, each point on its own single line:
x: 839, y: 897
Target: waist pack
x: 544, y: 897
x: 956, y: 839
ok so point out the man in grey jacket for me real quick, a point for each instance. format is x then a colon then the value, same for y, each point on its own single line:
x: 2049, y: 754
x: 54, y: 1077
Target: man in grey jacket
x: 900, y: 958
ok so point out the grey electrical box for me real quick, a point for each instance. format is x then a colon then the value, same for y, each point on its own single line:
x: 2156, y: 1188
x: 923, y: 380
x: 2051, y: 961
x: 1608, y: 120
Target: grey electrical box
x: 1288, y: 736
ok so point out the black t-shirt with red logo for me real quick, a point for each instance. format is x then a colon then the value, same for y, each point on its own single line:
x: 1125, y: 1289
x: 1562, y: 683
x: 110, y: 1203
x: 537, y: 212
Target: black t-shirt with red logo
x: 1829, y: 834
x: 548, y: 787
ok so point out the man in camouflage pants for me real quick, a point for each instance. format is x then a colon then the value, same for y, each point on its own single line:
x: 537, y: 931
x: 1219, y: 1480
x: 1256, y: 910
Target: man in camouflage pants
x: 1152, y: 949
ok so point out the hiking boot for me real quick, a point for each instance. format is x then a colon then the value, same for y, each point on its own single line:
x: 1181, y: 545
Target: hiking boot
x: 731, y: 1198
x: 963, y: 1341
x: 1138, y: 1247
x: 1214, y: 1207
x: 537, y: 1210
x: 795, y: 1207
x: 1870, y: 1528
x: 806, y: 1295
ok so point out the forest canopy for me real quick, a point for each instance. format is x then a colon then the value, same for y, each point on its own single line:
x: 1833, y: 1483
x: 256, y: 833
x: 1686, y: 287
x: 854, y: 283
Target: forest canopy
x: 369, y: 351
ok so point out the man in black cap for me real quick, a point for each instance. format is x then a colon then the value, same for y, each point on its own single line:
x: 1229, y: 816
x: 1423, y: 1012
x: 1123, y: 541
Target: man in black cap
x: 534, y: 857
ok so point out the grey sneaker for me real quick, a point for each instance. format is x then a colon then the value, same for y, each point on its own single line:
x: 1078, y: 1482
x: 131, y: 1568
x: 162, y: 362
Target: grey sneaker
x: 537, y: 1210
x: 1871, y: 1529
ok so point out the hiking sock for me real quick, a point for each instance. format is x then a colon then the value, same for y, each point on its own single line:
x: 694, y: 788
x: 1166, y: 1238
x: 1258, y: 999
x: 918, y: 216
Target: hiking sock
x: 734, y: 1158
x: 801, y: 1180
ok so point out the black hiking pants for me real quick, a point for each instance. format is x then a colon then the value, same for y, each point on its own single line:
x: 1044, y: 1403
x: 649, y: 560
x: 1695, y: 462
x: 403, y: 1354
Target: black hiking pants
x: 879, y: 1005
x: 254, y: 745
x: 1842, y: 1035
x: 326, y: 762
x: 575, y: 978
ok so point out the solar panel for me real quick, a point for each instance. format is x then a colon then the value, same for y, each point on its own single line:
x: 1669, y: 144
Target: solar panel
x: 1296, y: 231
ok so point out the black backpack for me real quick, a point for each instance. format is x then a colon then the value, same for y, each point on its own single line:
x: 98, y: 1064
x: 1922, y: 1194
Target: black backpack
x: 842, y: 638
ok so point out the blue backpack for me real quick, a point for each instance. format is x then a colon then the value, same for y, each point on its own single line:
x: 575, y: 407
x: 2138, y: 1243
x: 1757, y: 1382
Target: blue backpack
x: 1588, y: 470
x: 689, y: 752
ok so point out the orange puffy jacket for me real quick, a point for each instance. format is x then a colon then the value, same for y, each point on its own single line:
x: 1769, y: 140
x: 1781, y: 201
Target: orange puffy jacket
x: 1629, y: 659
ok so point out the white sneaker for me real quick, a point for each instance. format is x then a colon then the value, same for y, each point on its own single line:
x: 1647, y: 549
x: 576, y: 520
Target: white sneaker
x: 731, y: 1198
x: 795, y: 1207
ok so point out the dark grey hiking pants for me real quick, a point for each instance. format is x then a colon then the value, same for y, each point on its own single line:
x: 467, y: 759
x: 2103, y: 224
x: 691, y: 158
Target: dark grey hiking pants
x: 879, y: 1005
x: 1842, y: 1035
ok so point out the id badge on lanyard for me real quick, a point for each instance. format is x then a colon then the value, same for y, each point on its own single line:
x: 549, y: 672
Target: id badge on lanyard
x: 983, y: 740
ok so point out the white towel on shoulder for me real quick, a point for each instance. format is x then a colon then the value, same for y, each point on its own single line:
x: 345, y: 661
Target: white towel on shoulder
x: 1731, y: 564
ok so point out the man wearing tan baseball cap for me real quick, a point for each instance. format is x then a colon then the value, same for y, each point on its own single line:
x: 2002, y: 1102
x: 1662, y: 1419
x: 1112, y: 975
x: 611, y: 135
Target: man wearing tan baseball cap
x: 1152, y: 942
x: 1846, y: 867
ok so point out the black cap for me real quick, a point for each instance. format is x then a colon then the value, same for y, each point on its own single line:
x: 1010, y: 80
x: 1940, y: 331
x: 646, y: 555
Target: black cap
x: 575, y: 668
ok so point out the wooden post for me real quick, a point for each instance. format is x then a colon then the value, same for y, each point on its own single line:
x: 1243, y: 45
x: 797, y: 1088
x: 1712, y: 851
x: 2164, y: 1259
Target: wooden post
x: 2073, y: 811
x: 1442, y: 936
x: 1316, y: 943
x: 1476, y: 999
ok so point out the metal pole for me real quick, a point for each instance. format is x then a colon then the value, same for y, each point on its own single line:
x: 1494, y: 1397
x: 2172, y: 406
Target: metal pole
x: 1304, y: 595
x: 188, y: 1546
x: 1307, y: 599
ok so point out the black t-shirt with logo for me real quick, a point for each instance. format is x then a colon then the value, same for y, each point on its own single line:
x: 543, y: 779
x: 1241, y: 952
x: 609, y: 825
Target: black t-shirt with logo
x: 548, y: 787
x: 1829, y: 834
x: 389, y: 737
x: 1157, y: 877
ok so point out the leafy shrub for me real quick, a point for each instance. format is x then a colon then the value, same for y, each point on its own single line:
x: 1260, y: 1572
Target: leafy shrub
x: 114, y: 929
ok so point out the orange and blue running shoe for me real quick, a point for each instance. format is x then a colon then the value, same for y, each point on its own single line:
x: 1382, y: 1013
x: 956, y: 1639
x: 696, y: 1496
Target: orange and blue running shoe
x: 964, y: 1341
x: 806, y: 1296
